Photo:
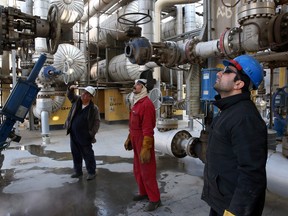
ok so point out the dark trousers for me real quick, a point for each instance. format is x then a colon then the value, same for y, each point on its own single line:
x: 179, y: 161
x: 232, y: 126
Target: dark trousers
x: 213, y: 213
x: 82, y: 151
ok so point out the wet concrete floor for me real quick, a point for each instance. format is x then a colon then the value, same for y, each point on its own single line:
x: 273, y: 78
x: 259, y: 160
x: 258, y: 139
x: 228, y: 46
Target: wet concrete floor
x: 35, y: 180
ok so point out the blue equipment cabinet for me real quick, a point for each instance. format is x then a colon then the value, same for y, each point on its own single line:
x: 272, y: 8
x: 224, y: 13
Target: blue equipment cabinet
x: 208, y: 80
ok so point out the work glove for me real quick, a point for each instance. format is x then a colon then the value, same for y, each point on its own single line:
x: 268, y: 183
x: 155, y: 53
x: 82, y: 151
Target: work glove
x: 145, y: 154
x: 128, y: 144
x: 227, y: 213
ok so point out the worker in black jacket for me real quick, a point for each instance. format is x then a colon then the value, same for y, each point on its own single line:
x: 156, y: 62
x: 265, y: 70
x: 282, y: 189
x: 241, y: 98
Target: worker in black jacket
x: 82, y: 124
x: 235, y: 169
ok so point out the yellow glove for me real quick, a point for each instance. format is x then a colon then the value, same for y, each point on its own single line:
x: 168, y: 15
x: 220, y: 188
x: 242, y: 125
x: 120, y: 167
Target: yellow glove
x: 227, y: 213
x: 145, y: 154
x: 128, y: 144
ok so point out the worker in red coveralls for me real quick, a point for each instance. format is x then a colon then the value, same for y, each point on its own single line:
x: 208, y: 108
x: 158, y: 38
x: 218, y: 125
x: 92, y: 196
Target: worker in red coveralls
x: 141, y: 139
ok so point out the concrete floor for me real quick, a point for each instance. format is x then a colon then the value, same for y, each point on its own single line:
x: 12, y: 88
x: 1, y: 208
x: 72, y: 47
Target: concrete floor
x: 35, y: 180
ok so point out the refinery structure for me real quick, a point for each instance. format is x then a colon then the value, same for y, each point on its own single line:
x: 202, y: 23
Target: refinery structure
x: 177, y: 45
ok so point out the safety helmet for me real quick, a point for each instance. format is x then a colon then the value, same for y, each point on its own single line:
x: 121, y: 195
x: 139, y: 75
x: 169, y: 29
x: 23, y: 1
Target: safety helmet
x: 90, y: 89
x: 142, y: 81
x: 250, y: 66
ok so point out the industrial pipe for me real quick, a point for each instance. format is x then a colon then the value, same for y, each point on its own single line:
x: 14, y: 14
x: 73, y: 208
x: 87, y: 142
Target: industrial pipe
x: 180, y: 143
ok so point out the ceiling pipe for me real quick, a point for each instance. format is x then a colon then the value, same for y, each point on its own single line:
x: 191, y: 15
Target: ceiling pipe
x: 92, y: 7
x: 95, y: 6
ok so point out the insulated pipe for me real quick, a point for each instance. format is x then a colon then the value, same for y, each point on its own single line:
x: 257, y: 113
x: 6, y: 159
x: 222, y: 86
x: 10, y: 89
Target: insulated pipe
x: 94, y: 7
x: 42, y: 104
x: 71, y: 61
x: 277, y: 173
x: 146, y: 6
x: 71, y: 11
x: 172, y: 142
x: 45, y: 127
x: 190, y: 21
x: 121, y: 69
x: 159, y: 5
x: 58, y: 102
x: 177, y: 143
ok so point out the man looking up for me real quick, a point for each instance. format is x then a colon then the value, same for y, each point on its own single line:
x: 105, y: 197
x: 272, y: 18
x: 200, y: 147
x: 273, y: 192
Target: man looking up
x: 235, y: 174
x: 142, y: 120
x: 82, y: 124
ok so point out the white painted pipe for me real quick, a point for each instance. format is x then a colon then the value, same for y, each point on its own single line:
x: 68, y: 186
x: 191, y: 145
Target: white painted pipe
x: 276, y: 166
x: 94, y: 7
x: 277, y: 173
x: 45, y: 122
x: 45, y: 127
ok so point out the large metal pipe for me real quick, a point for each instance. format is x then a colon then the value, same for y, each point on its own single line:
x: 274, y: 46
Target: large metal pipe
x: 177, y: 143
x: 71, y: 11
x: 94, y: 6
x: 277, y: 173
x: 173, y: 142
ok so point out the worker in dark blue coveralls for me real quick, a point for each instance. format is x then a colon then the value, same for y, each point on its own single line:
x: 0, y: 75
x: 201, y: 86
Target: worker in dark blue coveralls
x: 82, y: 124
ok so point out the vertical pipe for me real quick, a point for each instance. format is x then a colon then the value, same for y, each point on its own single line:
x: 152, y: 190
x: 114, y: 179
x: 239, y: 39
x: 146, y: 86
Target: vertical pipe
x: 179, y: 20
x: 190, y: 21
x: 45, y: 127
x: 14, y: 81
x: 179, y: 85
x: 271, y: 90
x: 147, y: 7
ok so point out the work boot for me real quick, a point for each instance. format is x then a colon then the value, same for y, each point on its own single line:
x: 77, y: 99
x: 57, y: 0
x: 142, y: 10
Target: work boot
x: 76, y: 175
x: 90, y: 177
x: 140, y: 197
x: 152, y: 206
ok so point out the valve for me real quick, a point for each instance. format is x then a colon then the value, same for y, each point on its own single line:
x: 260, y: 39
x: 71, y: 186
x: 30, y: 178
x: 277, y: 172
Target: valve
x: 19, y: 29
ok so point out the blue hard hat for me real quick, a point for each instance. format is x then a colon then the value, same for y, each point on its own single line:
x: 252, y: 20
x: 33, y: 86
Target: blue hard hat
x: 250, y: 66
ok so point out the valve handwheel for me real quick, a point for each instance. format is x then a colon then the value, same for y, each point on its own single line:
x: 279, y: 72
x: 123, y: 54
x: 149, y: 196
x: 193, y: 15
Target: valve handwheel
x: 55, y: 29
x: 134, y: 19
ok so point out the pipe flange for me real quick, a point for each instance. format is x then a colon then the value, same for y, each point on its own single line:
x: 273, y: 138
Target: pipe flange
x: 190, y: 51
x: 229, y: 42
x: 176, y: 144
x: 191, y: 145
x: 171, y: 54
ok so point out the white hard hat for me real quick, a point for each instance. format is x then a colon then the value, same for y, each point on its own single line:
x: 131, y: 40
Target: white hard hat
x: 142, y: 81
x: 90, y: 89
